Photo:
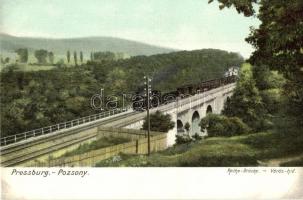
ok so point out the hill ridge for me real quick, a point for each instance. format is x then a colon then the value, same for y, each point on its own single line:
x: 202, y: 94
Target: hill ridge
x: 10, y: 43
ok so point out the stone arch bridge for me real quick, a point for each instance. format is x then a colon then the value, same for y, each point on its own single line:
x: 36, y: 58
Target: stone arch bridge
x: 191, y: 110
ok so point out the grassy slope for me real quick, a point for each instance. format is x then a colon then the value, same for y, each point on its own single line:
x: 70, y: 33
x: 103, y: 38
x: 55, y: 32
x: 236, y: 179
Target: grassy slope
x: 97, y: 144
x: 245, y: 150
x: 294, y: 163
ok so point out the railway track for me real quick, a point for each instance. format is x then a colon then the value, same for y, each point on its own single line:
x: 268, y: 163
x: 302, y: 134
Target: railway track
x: 11, y: 157
x: 23, y: 158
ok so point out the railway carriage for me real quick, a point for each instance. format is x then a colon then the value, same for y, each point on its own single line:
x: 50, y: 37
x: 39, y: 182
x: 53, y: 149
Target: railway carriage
x: 140, y: 102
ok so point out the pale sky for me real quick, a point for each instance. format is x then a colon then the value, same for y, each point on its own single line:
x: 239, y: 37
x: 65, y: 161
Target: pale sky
x: 188, y: 25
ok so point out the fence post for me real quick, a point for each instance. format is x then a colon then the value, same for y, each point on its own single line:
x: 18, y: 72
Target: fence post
x: 137, y: 146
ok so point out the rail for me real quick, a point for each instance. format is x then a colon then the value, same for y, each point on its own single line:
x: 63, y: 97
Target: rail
x: 56, y: 127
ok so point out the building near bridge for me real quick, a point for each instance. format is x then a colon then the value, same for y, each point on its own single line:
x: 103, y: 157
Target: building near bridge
x: 232, y: 71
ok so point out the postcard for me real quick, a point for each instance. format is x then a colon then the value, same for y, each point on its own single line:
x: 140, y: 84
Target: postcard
x: 140, y: 99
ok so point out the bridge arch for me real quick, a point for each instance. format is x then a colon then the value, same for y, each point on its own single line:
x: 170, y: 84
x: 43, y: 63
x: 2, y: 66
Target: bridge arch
x: 195, y: 116
x: 195, y: 123
x: 209, y: 109
x: 179, y: 124
x: 180, y: 127
x: 227, y: 100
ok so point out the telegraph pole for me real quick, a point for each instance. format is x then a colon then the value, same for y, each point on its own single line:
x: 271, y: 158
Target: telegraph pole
x: 148, y: 91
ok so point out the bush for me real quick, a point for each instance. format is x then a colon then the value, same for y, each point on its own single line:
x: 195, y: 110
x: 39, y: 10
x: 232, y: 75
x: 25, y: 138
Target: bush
x: 159, y: 122
x: 219, y: 125
x: 183, y: 139
x: 196, y: 136
x: 187, y: 126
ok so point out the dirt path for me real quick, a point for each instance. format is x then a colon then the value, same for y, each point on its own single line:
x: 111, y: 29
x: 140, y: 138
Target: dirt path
x: 275, y: 162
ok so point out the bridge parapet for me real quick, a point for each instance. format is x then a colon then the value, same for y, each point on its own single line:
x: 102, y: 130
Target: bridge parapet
x: 57, y: 128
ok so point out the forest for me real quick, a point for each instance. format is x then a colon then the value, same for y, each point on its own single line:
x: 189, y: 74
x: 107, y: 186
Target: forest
x: 34, y: 99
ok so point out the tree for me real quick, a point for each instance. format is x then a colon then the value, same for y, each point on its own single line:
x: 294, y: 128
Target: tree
x: 159, y: 122
x: 68, y: 56
x: 187, y: 127
x: 278, y: 43
x: 117, y: 80
x: 62, y: 94
x: 246, y: 102
x: 103, y: 56
x: 75, y: 58
x: 91, y: 56
x: 81, y: 57
x: 41, y: 56
x: 23, y: 55
x: 51, y: 57
x: 60, y: 63
x: 269, y: 84
x: 6, y: 60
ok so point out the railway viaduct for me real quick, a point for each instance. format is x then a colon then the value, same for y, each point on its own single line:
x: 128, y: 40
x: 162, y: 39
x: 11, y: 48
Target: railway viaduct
x: 190, y: 110
x: 67, y: 135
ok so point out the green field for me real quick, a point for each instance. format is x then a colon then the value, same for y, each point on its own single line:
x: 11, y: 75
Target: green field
x: 29, y: 68
x: 36, y: 67
x: 246, y: 150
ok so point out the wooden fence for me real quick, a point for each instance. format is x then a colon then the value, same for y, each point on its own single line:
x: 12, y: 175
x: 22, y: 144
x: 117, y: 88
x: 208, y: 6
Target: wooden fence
x: 138, y: 145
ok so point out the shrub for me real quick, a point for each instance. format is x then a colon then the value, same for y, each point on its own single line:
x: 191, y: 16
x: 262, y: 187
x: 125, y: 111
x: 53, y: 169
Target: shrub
x: 182, y: 139
x: 220, y: 125
x: 187, y: 126
x: 196, y: 136
x: 159, y: 122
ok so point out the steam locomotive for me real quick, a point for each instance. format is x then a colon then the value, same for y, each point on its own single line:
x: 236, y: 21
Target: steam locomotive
x: 139, y: 101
